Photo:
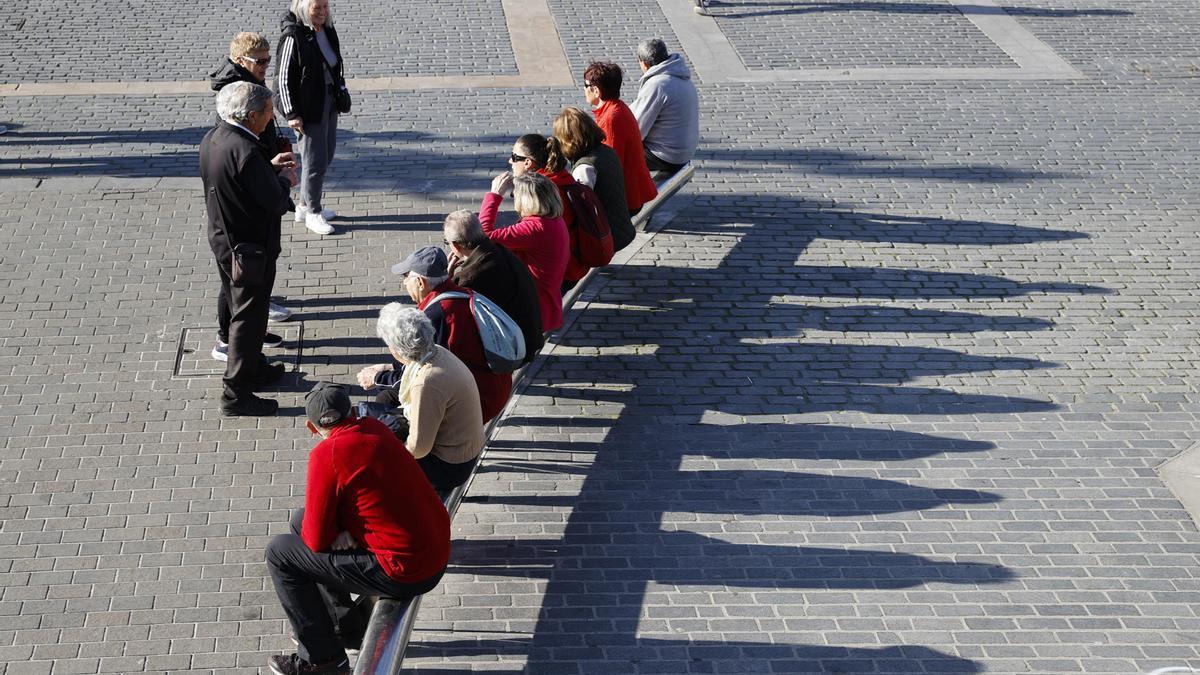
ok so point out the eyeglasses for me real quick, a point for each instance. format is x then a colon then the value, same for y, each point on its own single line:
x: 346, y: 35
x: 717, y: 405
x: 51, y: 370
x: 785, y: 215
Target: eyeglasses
x: 588, y: 85
x: 514, y: 158
x: 258, y: 62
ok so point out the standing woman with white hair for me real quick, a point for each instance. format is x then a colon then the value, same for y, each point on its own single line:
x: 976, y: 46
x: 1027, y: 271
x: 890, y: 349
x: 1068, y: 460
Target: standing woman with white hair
x: 311, y: 92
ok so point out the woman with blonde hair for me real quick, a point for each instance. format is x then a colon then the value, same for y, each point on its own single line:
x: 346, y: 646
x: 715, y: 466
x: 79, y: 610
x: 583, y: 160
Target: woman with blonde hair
x: 311, y: 82
x: 539, y: 238
x: 597, y: 166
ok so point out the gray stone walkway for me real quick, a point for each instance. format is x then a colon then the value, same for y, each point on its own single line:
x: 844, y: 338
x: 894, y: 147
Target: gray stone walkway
x: 887, y: 395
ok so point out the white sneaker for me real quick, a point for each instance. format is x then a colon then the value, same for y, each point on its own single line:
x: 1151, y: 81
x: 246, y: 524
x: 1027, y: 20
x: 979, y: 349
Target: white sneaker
x: 302, y: 211
x: 220, y: 351
x: 278, y: 313
x: 317, y: 223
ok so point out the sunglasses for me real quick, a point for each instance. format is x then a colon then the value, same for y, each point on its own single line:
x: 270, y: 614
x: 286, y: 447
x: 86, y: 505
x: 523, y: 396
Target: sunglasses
x: 514, y: 158
x: 258, y: 62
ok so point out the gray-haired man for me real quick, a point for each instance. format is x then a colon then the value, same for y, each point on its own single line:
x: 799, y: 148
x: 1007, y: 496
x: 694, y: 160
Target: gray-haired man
x: 245, y: 199
x: 667, y: 109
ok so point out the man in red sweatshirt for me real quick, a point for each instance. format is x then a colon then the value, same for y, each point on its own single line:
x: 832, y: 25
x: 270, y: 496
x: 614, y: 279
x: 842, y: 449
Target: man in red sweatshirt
x: 371, y: 525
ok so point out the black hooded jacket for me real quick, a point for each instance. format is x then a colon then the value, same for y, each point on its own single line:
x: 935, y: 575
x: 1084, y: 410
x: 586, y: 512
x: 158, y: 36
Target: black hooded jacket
x: 300, y: 68
x: 230, y: 72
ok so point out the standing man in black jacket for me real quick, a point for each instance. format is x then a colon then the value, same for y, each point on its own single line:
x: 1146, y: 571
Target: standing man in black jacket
x: 249, y: 57
x: 245, y: 199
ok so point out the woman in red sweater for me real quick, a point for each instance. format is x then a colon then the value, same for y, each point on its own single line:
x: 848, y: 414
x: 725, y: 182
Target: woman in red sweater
x: 539, y: 239
x: 602, y: 87
x: 535, y: 152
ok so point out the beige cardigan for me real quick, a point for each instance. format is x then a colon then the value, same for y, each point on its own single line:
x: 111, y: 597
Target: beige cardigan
x: 445, y: 417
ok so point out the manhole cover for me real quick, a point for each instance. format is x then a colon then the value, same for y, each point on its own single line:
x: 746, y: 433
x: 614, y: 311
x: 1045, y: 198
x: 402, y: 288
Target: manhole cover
x: 194, y: 358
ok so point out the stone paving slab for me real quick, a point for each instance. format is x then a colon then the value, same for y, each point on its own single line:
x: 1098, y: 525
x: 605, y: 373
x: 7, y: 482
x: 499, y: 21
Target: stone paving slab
x: 887, y: 395
x: 159, y: 40
x: 844, y: 34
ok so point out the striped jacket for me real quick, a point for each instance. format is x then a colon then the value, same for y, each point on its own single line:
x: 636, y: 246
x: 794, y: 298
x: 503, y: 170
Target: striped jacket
x: 301, y: 85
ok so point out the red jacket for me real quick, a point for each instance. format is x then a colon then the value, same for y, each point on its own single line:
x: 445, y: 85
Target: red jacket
x: 461, y: 337
x: 361, y: 479
x: 574, y: 271
x: 542, y: 244
x: 622, y: 134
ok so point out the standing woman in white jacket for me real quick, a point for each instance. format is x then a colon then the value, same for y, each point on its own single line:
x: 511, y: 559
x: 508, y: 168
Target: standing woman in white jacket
x: 309, y: 70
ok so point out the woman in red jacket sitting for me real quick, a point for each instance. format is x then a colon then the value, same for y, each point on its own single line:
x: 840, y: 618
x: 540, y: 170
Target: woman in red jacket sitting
x: 536, y: 153
x: 539, y: 239
x: 602, y: 88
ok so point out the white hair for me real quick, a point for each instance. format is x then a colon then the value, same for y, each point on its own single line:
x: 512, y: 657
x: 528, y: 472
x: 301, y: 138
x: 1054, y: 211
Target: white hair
x: 432, y: 281
x: 237, y: 101
x: 652, y: 52
x: 462, y: 227
x: 300, y: 9
x: 405, y: 330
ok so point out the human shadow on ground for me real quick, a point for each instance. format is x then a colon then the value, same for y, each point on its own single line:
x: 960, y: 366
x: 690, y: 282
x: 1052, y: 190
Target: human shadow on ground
x: 852, y: 164
x: 775, y: 442
x: 687, y: 656
x: 687, y: 558
x: 727, y: 9
x: 791, y: 320
x: 750, y: 493
x: 687, y: 389
x: 403, y: 162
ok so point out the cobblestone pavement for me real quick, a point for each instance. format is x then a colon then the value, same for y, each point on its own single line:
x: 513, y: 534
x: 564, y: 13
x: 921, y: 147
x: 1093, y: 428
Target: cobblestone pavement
x: 886, y: 395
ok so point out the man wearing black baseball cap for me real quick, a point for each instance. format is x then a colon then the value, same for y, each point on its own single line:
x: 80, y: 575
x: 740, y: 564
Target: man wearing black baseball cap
x: 371, y: 525
x: 426, y: 276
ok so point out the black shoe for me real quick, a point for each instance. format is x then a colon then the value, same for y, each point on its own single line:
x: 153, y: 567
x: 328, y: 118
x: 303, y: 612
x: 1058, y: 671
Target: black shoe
x: 269, y: 373
x: 294, y: 665
x: 248, y: 405
x: 351, y: 649
x: 272, y: 340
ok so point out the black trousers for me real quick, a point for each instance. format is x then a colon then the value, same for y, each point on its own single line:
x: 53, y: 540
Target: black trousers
x: 660, y: 169
x: 314, y: 589
x: 242, y: 322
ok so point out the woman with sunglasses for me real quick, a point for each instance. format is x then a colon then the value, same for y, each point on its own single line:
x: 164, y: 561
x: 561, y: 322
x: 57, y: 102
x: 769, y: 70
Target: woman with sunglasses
x: 602, y: 88
x: 539, y: 238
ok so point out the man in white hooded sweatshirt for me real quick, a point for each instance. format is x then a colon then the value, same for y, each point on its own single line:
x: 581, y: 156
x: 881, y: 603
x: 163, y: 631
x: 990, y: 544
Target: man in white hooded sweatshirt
x: 667, y: 109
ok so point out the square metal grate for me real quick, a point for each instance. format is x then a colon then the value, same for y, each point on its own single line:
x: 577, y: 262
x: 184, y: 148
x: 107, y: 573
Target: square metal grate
x: 194, y: 357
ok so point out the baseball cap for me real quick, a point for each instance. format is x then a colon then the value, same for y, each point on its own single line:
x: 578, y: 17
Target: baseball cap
x: 327, y: 404
x: 428, y: 262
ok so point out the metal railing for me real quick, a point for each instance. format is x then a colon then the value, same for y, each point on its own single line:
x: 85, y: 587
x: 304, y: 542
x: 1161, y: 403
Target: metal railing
x: 392, y: 620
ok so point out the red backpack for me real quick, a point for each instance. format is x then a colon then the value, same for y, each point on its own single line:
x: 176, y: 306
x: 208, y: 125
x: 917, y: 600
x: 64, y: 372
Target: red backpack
x: 591, y: 238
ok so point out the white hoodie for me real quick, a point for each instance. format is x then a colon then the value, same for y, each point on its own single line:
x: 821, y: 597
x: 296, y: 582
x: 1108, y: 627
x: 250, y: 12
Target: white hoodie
x: 667, y: 109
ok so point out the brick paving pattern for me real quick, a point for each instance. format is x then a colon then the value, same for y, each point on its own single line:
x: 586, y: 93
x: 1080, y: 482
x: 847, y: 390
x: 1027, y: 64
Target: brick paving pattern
x: 886, y: 395
x: 161, y: 40
x: 850, y: 33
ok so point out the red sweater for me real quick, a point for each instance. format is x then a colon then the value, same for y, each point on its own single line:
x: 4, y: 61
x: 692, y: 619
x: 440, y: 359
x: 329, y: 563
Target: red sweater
x: 463, y: 340
x: 622, y: 134
x: 361, y: 479
x: 542, y: 244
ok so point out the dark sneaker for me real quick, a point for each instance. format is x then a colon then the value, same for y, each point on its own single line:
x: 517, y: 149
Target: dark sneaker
x: 248, y: 405
x: 269, y: 374
x: 350, y: 650
x: 272, y: 340
x: 294, y: 665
